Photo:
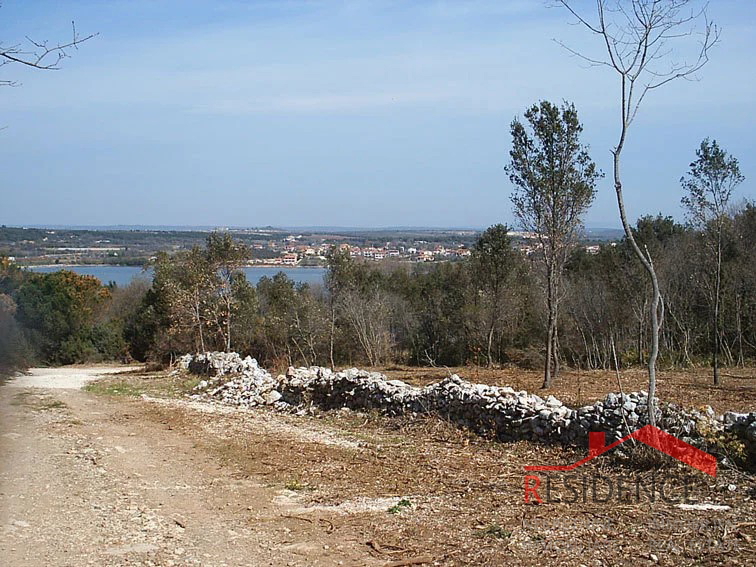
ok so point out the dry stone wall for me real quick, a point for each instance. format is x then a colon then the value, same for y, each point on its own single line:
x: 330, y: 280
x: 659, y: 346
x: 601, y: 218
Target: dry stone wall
x: 501, y: 412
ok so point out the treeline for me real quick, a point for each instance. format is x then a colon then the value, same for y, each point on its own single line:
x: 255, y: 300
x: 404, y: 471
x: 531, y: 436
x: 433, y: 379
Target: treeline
x: 488, y: 310
x: 63, y: 317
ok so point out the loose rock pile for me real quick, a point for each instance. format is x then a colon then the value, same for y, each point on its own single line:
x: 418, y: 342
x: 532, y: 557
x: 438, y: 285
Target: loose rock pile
x: 249, y: 385
x: 743, y: 425
x: 501, y: 412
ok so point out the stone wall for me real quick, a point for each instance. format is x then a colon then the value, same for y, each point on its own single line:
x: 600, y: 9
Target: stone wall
x: 501, y: 412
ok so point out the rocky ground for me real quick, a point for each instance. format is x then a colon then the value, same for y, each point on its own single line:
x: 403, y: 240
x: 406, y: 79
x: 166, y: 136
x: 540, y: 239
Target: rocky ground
x: 500, y: 412
x: 129, y: 472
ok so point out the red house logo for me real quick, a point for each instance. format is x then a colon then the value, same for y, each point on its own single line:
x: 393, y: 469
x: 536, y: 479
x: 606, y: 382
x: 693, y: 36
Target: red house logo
x: 651, y: 436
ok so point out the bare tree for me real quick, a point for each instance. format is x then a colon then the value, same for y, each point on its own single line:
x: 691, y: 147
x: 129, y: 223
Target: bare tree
x: 555, y: 183
x: 640, y: 38
x: 226, y: 257
x: 709, y: 184
x: 37, y: 54
x: 369, y: 316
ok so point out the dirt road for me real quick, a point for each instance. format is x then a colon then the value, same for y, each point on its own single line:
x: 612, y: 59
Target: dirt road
x: 131, y: 472
x: 86, y: 480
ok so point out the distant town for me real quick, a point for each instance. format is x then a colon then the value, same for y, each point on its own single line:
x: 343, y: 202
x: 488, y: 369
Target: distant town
x: 269, y: 246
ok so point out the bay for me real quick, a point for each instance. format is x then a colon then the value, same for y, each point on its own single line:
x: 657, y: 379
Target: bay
x: 123, y: 275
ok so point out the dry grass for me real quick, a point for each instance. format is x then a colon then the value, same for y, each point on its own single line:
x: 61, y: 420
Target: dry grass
x: 465, y: 493
x: 135, y: 383
x: 691, y: 388
x: 459, y: 498
x: 38, y: 401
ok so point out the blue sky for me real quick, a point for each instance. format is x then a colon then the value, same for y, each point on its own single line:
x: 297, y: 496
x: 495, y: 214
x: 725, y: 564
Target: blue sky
x: 334, y: 113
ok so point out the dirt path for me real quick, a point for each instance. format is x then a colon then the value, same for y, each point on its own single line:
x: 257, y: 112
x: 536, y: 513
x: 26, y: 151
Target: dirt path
x: 137, y: 474
x: 71, y: 378
x: 89, y: 481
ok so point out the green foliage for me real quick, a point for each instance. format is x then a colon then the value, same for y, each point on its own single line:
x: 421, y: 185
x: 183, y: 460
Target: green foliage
x: 346, y: 273
x: 113, y: 388
x: 555, y: 183
x: 493, y: 530
x: 11, y: 276
x: 654, y: 233
x: 142, y: 329
x: 198, y: 300
x: 400, y: 506
x: 14, y: 350
x: 709, y: 183
x: 554, y: 176
x: 441, y: 300
x: 494, y: 268
x: 58, y: 308
x: 296, y: 485
x: 494, y: 259
x: 59, y: 318
x: 483, y: 310
x: 94, y: 344
x: 294, y: 322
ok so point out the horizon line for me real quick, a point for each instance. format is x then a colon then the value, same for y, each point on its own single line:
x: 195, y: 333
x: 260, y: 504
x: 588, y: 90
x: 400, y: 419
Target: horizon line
x: 316, y: 228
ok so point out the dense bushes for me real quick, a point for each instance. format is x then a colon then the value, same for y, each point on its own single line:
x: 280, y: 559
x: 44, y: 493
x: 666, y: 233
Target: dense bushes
x: 59, y: 318
x: 14, y: 350
x: 94, y: 344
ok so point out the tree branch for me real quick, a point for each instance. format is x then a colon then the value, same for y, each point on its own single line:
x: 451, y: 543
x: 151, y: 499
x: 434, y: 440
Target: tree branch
x: 40, y: 55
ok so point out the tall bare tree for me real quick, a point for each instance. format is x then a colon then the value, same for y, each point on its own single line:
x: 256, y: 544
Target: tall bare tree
x: 555, y: 183
x: 643, y: 40
x: 709, y: 185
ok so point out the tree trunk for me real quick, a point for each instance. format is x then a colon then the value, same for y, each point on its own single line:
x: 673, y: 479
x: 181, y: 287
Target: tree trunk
x: 555, y: 350
x: 715, y: 355
x: 332, y: 333
x: 645, y: 259
x: 739, y: 329
x: 656, y: 309
x: 552, y: 348
x: 198, y: 314
x: 588, y: 356
x: 555, y: 333
x: 490, y: 342
x: 547, y: 379
x: 201, y: 336
x: 548, y: 376
x: 228, y: 326
x: 639, y: 342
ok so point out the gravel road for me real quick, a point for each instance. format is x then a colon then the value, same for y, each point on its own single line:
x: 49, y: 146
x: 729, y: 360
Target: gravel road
x: 71, y: 378
x: 87, y: 480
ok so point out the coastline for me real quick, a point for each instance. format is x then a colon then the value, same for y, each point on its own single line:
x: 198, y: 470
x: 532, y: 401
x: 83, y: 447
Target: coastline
x: 79, y: 266
x: 281, y: 266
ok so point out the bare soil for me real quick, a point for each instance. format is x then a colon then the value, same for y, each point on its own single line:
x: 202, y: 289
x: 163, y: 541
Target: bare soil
x: 111, y: 477
x: 98, y: 480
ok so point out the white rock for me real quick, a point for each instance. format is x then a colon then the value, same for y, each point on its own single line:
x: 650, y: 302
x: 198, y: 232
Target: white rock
x: 704, y: 507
